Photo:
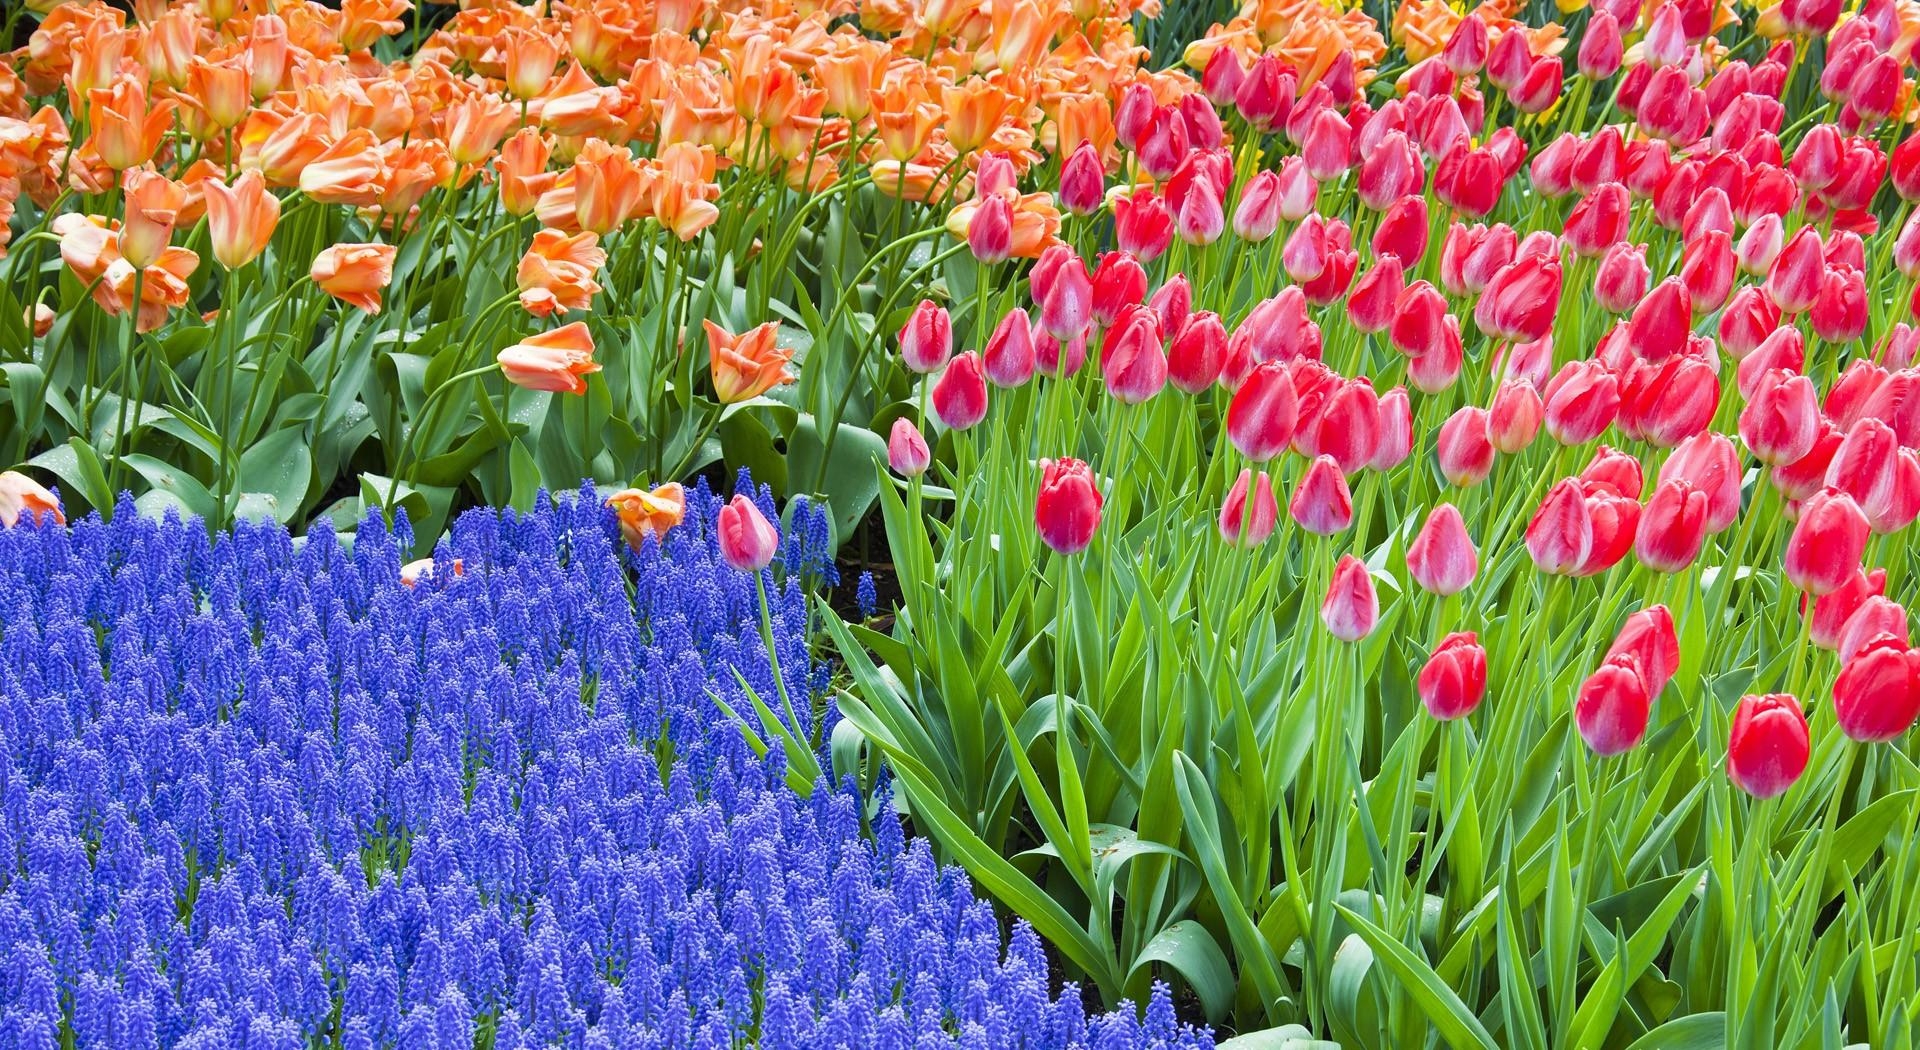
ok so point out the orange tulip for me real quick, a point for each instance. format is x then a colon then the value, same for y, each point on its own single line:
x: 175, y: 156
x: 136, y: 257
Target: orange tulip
x: 680, y: 207
x: 975, y: 110
x: 94, y: 55
x: 170, y: 44
x: 643, y: 513
x: 476, y: 124
x: 279, y: 147
x: 347, y: 172
x: 746, y: 365
x: 557, y: 272
x: 849, y: 77
x: 222, y: 89
x: 913, y: 182
x: 364, y: 22
x: 696, y: 110
x: 153, y: 203
x: 408, y: 171
x: 268, y: 46
x: 522, y: 165
x: 1021, y: 35
x: 531, y: 57
x: 41, y: 317
x: 608, y: 187
x: 422, y: 569
x: 766, y: 88
x: 557, y: 361
x: 126, y: 130
x: 1084, y: 118
x: 355, y: 274
x: 906, y: 120
x: 240, y: 218
x: 91, y: 248
x: 22, y: 496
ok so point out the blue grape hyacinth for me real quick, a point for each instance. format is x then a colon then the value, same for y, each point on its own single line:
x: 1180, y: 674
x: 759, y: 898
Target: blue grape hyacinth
x: 259, y: 793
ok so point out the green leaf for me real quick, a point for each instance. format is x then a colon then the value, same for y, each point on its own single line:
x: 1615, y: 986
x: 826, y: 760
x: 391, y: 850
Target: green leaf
x: 78, y: 465
x: 279, y: 467
x: 849, y: 481
x: 1442, y: 1006
x: 184, y: 489
x: 1190, y: 949
x: 1285, y: 1037
x: 1706, y: 1031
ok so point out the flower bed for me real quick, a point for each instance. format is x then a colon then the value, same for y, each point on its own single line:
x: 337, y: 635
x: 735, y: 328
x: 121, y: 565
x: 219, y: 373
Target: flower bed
x: 259, y: 792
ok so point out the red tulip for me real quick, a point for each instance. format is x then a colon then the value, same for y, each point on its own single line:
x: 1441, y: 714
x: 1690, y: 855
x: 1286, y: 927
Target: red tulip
x: 1351, y: 608
x: 1747, y: 321
x: 1297, y: 190
x: 1390, y: 171
x: 1466, y: 49
x: 1552, y: 167
x: 1403, y: 231
x: 1509, y: 61
x: 1877, y: 695
x: 1833, y: 610
x: 1599, y: 221
x: 1839, y: 312
x: 990, y: 232
x: 1673, y: 527
x: 1782, y: 420
x: 1560, y: 536
x: 1519, y: 303
x: 1662, y: 321
x: 1321, y: 502
x: 1396, y: 430
x: 1541, y: 87
x: 1613, y: 471
x: 1348, y: 425
x: 1768, y: 747
x: 960, y: 394
x: 1707, y: 270
x: 1264, y: 411
x: 1783, y: 351
x: 1083, y: 181
x: 1612, y: 708
x: 1008, y: 360
x: 1327, y: 146
x: 1064, y: 291
x: 1142, y: 225
x: 1265, y: 94
x: 1234, y: 513
x: 1436, y: 370
x: 1454, y: 679
x: 1373, y: 305
x: 907, y: 451
x: 1463, y: 448
x: 1805, y: 476
x: 1827, y: 542
x: 1709, y: 463
x: 1442, y: 559
x: 1515, y: 416
x: 1118, y: 283
x: 1667, y: 403
x: 747, y: 540
x: 1222, y: 77
x: 1796, y: 278
x: 1196, y: 355
x: 1257, y: 216
x: 1601, y: 51
x: 1068, y: 510
x: 1616, y: 521
x: 1876, y: 618
x: 927, y: 340
x: 1620, y: 282
x: 1468, y: 180
x: 1582, y: 400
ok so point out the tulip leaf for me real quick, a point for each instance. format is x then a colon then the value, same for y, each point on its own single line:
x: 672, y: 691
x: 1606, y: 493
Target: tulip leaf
x: 1702, y: 1031
x: 847, y: 476
x: 279, y: 467
x: 1188, y: 948
x: 1439, y: 1003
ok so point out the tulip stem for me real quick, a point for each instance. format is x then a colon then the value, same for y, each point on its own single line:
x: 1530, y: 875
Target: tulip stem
x: 773, y: 655
x: 428, y: 419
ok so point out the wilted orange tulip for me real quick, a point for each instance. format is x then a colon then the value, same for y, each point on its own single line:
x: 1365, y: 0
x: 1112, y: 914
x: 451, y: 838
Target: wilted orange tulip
x: 355, y: 274
x: 126, y: 129
x: 347, y: 172
x: 746, y: 365
x: 557, y: 272
x: 558, y: 360
x: 22, y: 496
x: 153, y: 203
x: 643, y: 513
x: 240, y: 218
x: 696, y: 110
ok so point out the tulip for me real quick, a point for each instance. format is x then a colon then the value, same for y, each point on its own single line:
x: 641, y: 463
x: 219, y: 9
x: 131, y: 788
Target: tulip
x: 1468, y: 181
x: 1351, y: 608
x: 1172, y: 302
x: 1599, y: 221
x: 1835, y: 609
x: 1008, y: 360
x: 1403, y: 231
x: 1782, y: 420
x: 1259, y: 522
x: 1612, y: 708
x: 1519, y: 303
x: 1198, y: 353
x: 1662, y: 321
x: 990, y: 231
x: 907, y: 451
x: 1321, y: 502
x: 1839, y: 311
x: 746, y: 365
x: 1373, y: 304
x: 1454, y: 678
x: 1795, y: 280
x: 1509, y: 61
x: 355, y: 273
x: 1347, y: 426
x: 1132, y: 360
x: 1541, y: 87
x: 926, y: 340
x: 558, y: 361
x: 1768, y: 747
x: 1672, y: 528
x: 1560, y: 536
x: 1437, y: 369
x: 1621, y: 280
x: 1396, y: 430
x: 21, y: 496
x: 960, y: 394
x: 1442, y: 559
x: 1119, y: 283
x: 747, y: 540
x: 1222, y: 77
x: 1082, y: 181
x: 1582, y: 400
x: 240, y: 219
x: 1601, y: 51
x: 1064, y: 291
x: 1876, y: 618
x: 1257, y: 216
x: 1466, y: 49
x: 1264, y: 412
x: 1827, y: 543
x: 1265, y: 95
x: 1068, y: 510
x: 41, y: 317
x: 1514, y: 418
x: 1057, y: 359
x: 1389, y: 172
x: 644, y: 513
x: 1877, y: 694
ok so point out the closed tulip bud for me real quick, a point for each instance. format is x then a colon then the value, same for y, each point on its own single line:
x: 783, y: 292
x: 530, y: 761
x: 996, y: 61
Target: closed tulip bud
x: 1396, y: 430
x: 1465, y: 453
x: 1419, y: 312
x: 1454, y: 679
x: 1709, y: 463
x: 1668, y: 403
x: 1068, y: 510
x: 1466, y: 49
x: 1132, y: 360
x: 1707, y: 271
x: 1877, y: 694
x: 1008, y: 360
x: 1582, y: 400
x: 1259, y: 521
x: 1833, y: 610
x: 1827, y: 543
x: 1903, y: 168
x: 1877, y: 618
x: 1509, y: 60
x: 1541, y: 87
x: 1794, y: 282
x: 1662, y: 321
x: 1201, y: 219
x: 1768, y: 747
x: 1119, y: 283
x: 1307, y: 248
x: 1612, y: 708
x: 1532, y: 362
x: 1612, y: 471
x: 1257, y: 216
x: 1142, y: 225
x: 1560, y: 535
x: 1198, y: 353
x: 1782, y: 419
x: 1372, y: 306
x: 1771, y: 194
x: 1442, y: 559
x: 960, y: 394
x: 747, y: 540
x: 1616, y: 520
x: 1389, y: 172
x: 1052, y: 357
x: 1403, y: 231
x: 990, y: 231
x: 927, y: 339
x: 1468, y: 181
x: 1749, y: 319
x: 1601, y: 51
x: 1222, y: 77
x: 1761, y: 245
x: 1083, y: 181
x: 907, y: 451
x: 1651, y: 647
x: 1264, y: 411
x: 1864, y: 466
x: 1351, y: 609
x: 1599, y: 221
x: 1163, y: 143
x: 1621, y: 280
x: 1064, y: 291
x: 1514, y: 418
x: 1321, y: 502
x: 1855, y: 389
x: 1673, y: 527
x: 1172, y: 302
x: 1436, y: 370
x: 1552, y: 167
x: 1839, y: 312
x: 1327, y: 146
x: 1666, y: 41
x: 1348, y: 426
x: 1906, y: 247
x: 1520, y: 302
x: 1294, y: 189
x: 1265, y: 95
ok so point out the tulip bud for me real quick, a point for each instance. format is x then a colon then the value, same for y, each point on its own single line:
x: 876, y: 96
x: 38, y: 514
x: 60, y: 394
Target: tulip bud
x: 1599, y: 221
x: 1465, y: 453
x: 907, y: 451
x: 1520, y: 302
x: 1264, y: 411
x: 1794, y: 282
x: 1437, y: 369
x: 1132, y: 361
x: 1321, y: 502
x: 1875, y: 619
x: 1442, y: 559
x: 1198, y: 353
x: 1782, y: 420
x: 1008, y: 360
x: 1768, y: 747
x: 927, y: 340
x: 1835, y: 609
x: 747, y: 540
x: 1265, y: 95
x: 1839, y: 312
x: 990, y: 231
x: 1662, y: 321
x: 1621, y: 280
x: 1454, y: 679
x: 1257, y: 216
x: 1118, y: 283
x: 1396, y: 430
x: 1068, y: 510
x: 1201, y: 219
x: 1372, y: 306
x: 1082, y: 181
x: 1259, y: 522
x: 1142, y: 225
x: 1582, y: 400
x: 1560, y: 536
x: 1877, y: 695
x: 1403, y: 231
x: 1827, y: 542
x: 1222, y: 77
x: 1515, y: 416
x: 1064, y: 291
x: 1348, y: 425
x: 1601, y: 51
x: 1612, y: 708
x: 1673, y: 527
x: 1351, y: 608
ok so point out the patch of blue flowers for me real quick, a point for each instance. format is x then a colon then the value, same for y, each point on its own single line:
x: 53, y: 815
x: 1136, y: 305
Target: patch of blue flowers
x: 258, y: 794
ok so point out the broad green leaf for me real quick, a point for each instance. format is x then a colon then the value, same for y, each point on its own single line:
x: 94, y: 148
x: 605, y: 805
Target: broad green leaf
x: 1440, y: 1003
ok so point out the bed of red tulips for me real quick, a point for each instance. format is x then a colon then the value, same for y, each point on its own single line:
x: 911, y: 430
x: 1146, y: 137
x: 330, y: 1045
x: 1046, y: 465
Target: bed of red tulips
x: 1402, y: 520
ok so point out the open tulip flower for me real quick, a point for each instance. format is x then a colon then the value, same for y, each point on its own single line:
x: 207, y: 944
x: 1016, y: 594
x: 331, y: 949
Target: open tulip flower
x: 1397, y: 520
